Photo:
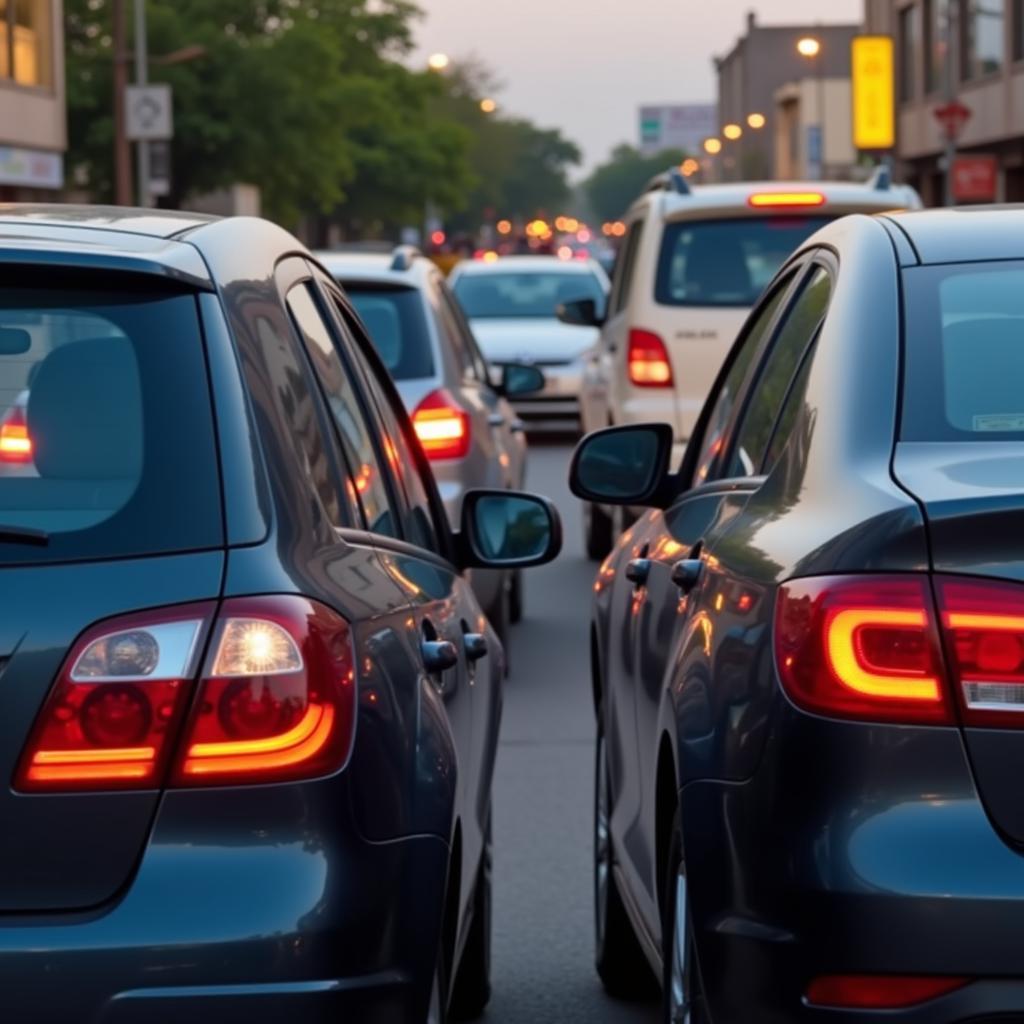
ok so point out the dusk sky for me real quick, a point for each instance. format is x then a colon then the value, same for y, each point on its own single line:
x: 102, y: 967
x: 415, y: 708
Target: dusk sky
x: 585, y: 65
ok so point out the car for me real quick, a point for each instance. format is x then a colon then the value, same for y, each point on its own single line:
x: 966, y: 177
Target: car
x: 460, y: 408
x: 250, y: 705
x: 512, y: 305
x: 808, y: 655
x: 693, y: 261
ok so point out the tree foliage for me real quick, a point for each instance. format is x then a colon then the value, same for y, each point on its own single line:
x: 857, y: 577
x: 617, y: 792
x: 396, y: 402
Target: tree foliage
x: 615, y: 184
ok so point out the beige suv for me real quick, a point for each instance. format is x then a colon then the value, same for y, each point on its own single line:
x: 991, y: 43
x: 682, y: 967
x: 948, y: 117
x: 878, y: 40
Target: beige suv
x: 693, y: 262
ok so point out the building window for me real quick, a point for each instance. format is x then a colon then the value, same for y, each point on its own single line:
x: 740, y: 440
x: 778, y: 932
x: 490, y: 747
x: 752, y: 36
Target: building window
x: 26, y: 42
x: 982, y: 37
x: 1018, y: 29
x: 936, y: 24
x: 910, y: 44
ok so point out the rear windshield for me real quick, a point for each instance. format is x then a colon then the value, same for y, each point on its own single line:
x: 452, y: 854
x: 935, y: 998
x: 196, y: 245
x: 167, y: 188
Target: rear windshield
x: 106, y: 434
x: 526, y: 294
x: 727, y: 262
x: 964, y: 346
x: 397, y: 324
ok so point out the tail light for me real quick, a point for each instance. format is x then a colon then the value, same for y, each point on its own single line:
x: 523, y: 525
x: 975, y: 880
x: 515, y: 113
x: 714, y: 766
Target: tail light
x: 275, y: 702
x: 442, y: 426
x: 648, y: 361
x: 15, y: 442
x: 879, y: 991
x: 785, y: 200
x: 862, y: 647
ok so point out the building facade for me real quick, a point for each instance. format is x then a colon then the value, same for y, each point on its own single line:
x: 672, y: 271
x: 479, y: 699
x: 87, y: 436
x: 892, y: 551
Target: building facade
x: 983, y: 69
x: 33, y: 115
x: 813, y: 124
x: 763, y: 62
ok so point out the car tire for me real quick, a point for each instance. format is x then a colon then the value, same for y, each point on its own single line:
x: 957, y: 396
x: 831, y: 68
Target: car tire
x: 472, y: 990
x: 597, y: 531
x: 515, y: 599
x: 620, y: 961
x: 682, y: 990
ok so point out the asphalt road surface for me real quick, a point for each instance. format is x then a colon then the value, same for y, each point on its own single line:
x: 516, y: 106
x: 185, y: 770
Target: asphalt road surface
x: 543, y: 952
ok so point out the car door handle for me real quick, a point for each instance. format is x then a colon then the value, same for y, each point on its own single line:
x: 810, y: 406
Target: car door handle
x: 638, y: 570
x: 439, y: 655
x: 687, y: 573
x: 475, y: 646
x: 496, y: 420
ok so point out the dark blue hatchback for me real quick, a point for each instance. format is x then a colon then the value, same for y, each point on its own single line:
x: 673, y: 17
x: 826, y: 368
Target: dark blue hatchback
x: 248, y: 704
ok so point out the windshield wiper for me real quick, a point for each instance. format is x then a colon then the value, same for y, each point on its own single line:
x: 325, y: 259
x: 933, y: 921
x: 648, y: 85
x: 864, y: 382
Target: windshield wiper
x: 23, y: 535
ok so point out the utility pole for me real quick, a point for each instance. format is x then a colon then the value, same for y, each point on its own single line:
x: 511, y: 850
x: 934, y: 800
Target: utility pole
x: 122, y: 147
x: 142, y: 78
x: 951, y: 13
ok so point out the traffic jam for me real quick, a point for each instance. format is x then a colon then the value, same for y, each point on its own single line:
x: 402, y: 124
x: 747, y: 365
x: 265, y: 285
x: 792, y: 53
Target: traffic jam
x: 389, y: 626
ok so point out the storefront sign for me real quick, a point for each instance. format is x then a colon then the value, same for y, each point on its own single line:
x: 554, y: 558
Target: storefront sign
x: 31, y: 168
x: 975, y: 179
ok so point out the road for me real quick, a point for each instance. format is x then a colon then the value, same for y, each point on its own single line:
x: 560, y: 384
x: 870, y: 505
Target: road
x: 543, y: 951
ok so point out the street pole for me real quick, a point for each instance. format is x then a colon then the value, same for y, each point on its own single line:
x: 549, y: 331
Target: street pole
x: 122, y: 147
x: 142, y: 78
x: 951, y: 12
x: 821, y: 113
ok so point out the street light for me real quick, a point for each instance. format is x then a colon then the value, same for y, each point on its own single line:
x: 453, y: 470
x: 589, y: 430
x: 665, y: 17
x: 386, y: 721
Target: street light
x: 712, y: 146
x: 810, y: 48
x: 757, y: 121
x: 732, y: 132
x: 488, y: 106
x: 439, y: 62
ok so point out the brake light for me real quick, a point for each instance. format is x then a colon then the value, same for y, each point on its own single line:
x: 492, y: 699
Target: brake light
x: 862, y: 647
x: 984, y: 628
x: 277, y: 700
x: 442, y: 426
x: 112, y: 715
x: 648, y: 360
x: 15, y: 442
x: 879, y: 991
x: 782, y: 200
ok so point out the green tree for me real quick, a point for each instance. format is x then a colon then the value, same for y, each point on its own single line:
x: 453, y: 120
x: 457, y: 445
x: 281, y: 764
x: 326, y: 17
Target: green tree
x: 616, y: 183
x: 304, y: 98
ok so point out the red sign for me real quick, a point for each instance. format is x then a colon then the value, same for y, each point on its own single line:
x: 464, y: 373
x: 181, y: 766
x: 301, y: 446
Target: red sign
x: 952, y: 116
x: 975, y: 179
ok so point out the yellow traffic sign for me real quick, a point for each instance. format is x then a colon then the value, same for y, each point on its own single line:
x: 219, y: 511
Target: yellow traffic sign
x: 874, y: 119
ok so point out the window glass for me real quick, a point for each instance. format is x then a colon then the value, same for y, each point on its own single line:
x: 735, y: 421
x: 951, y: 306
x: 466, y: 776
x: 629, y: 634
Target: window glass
x: 791, y: 410
x: 531, y: 295
x: 451, y: 335
x: 964, y: 331
x: 625, y: 267
x: 936, y: 15
x: 478, y: 364
x: 982, y: 25
x: 727, y: 262
x: 368, y: 476
x: 798, y: 330
x: 95, y: 450
x: 397, y: 324
x: 910, y: 44
x: 26, y: 41
x: 1018, y: 29
x: 725, y: 402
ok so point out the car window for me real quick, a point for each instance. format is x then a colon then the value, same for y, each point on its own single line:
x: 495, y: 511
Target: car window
x: 472, y: 350
x: 625, y: 267
x: 798, y: 329
x: 367, y: 477
x: 448, y: 328
x: 397, y: 324
x: 94, y: 449
x: 525, y: 294
x: 725, y: 401
x: 964, y: 338
x: 791, y: 409
x: 727, y: 262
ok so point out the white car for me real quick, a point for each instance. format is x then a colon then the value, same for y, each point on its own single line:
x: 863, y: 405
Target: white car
x: 512, y: 304
x: 693, y: 262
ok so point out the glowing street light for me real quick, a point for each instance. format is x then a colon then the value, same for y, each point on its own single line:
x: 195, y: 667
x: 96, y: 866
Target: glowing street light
x: 690, y: 167
x: 808, y: 46
x: 712, y: 146
x: 439, y: 62
x: 504, y: 227
x: 732, y: 132
x: 757, y: 121
x: 488, y: 106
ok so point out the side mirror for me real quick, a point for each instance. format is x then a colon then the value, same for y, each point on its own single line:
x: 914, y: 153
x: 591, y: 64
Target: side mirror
x: 520, y: 379
x: 581, y: 313
x: 508, y: 529
x: 624, y: 466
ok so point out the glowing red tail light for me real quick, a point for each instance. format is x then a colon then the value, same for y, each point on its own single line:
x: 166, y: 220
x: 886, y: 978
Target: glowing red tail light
x: 275, y: 702
x: 648, y: 360
x: 442, y: 426
x: 15, y: 442
x: 879, y: 991
x: 863, y: 647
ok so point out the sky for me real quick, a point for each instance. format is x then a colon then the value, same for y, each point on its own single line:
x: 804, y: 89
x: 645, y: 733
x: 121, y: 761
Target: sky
x: 584, y: 66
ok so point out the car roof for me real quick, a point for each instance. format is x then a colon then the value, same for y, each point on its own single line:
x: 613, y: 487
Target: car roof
x: 528, y: 265
x: 966, y: 234
x: 734, y: 198
x: 374, y: 267
x: 130, y: 220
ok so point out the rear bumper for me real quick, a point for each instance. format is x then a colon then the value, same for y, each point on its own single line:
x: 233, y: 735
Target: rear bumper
x: 240, y: 914
x: 854, y: 849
